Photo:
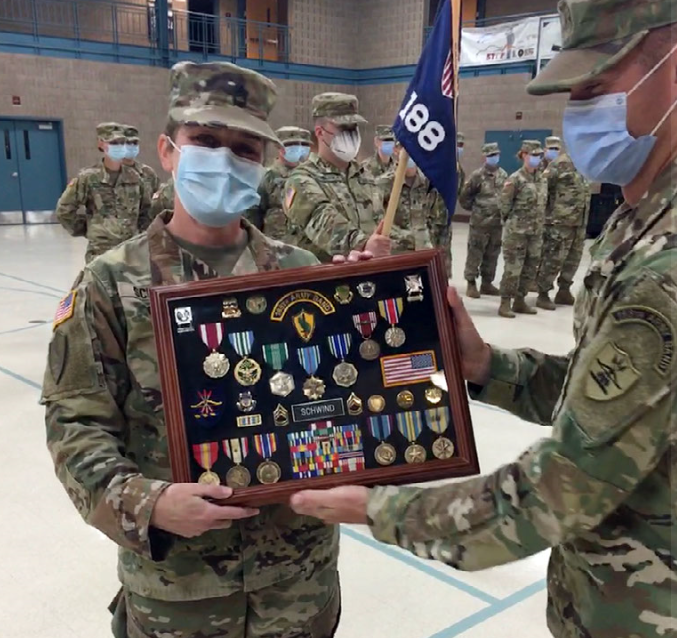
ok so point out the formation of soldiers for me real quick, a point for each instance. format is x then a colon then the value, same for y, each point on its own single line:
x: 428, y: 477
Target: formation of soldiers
x: 537, y: 216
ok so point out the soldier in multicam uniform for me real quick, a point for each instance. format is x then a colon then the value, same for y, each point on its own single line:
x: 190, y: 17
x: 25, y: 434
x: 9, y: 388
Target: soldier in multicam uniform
x: 566, y: 219
x: 332, y: 202
x: 163, y: 198
x: 268, y: 215
x: 108, y: 203
x: 523, y: 210
x: 381, y: 162
x: 481, y: 195
x: 600, y: 490
x: 410, y: 227
x: 132, y: 146
x: 188, y: 566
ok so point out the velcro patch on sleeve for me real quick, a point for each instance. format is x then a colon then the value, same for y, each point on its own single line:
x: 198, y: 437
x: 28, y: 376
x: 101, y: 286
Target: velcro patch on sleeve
x: 289, y: 197
x: 65, y: 309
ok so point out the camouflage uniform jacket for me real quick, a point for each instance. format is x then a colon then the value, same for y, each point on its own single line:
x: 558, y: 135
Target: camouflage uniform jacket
x: 331, y: 211
x: 481, y: 195
x: 600, y: 491
x: 269, y: 215
x: 378, y: 169
x: 149, y: 176
x: 568, y: 194
x: 112, y: 213
x: 163, y: 199
x: 410, y: 229
x: 523, y: 202
x: 107, y: 435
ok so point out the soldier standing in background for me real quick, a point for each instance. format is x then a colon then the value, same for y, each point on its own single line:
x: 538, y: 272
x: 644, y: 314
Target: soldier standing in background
x: 332, y: 202
x: 481, y: 195
x: 523, y: 202
x: 410, y: 227
x: 600, y: 491
x: 149, y: 176
x: 268, y: 215
x: 566, y: 215
x: 189, y: 567
x: 108, y: 203
x: 163, y: 198
x: 381, y: 162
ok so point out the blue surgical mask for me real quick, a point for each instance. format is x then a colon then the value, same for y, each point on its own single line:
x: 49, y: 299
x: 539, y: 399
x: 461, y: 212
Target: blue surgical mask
x: 411, y: 163
x: 551, y: 154
x: 117, y: 152
x: 493, y: 160
x: 132, y: 151
x: 216, y: 186
x: 296, y: 153
x: 387, y: 148
x: 460, y: 150
x: 597, y: 137
x: 535, y: 161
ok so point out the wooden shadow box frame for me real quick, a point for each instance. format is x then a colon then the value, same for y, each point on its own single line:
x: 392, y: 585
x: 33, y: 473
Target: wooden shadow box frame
x: 438, y: 332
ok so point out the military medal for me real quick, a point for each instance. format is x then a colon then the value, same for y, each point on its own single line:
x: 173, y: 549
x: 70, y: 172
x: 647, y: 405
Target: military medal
x: 405, y: 399
x: 247, y: 371
x: 205, y: 454
x: 230, y: 309
x: 434, y: 395
x: 437, y: 419
x: 391, y: 311
x: 343, y: 295
x: 381, y: 427
x: 246, y: 402
x: 216, y: 365
x: 309, y: 358
x: 414, y: 287
x: 281, y: 415
x: 410, y: 426
x: 276, y: 355
x: 268, y: 472
x: 237, y: 450
x: 366, y: 289
x: 354, y: 405
x: 376, y: 403
x: 365, y: 324
x: 205, y: 405
x: 256, y: 305
x: 345, y: 374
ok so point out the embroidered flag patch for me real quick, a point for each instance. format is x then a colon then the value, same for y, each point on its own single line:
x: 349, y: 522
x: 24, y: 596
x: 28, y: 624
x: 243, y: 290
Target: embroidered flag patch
x: 65, y: 310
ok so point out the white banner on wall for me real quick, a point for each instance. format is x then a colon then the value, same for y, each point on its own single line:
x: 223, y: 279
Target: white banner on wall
x: 516, y: 41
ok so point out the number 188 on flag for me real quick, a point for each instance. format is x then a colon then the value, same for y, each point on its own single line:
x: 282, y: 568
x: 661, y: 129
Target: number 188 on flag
x: 416, y: 118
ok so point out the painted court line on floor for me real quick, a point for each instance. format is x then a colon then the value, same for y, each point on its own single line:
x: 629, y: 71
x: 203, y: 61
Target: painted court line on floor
x: 33, y: 283
x: 32, y: 292
x: 23, y: 379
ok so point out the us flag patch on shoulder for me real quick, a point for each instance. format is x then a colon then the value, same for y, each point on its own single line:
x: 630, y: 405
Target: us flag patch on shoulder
x: 65, y: 310
x: 289, y: 198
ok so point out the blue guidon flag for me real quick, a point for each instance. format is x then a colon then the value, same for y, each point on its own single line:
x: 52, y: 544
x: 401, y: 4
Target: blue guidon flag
x: 426, y: 124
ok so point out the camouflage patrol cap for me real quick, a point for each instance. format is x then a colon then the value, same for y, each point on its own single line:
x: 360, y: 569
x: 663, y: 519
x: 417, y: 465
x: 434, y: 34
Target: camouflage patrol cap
x: 385, y: 133
x: 460, y: 138
x: 553, y: 142
x: 131, y: 133
x: 596, y: 35
x: 340, y: 108
x: 222, y: 94
x: 293, y: 135
x: 110, y: 132
x: 491, y: 149
x: 533, y: 147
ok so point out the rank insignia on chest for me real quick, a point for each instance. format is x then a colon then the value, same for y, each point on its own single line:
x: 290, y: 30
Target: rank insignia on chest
x: 610, y: 374
x: 65, y: 309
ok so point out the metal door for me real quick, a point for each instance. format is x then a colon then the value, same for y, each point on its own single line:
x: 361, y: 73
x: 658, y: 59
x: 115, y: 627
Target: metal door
x: 510, y: 143
x: 11, y: 211
x: 42, y: 176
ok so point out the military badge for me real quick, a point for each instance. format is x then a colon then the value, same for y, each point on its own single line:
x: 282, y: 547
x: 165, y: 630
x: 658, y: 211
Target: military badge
x: 405, y: 399
x: 281, y: 415
x: 237, y: 451
x: 381, y: 427
x: 205, y: 454
x: 438, y: 419
x: 414, y: 287
x: 205, y: 405
x: 247, y: 371
x: 376, y: 403
x: 410, y: 426
x: 391, y: 310
x: 216, y: 365
x: 610, y: 374
x: 184, y: 320
x: 433, y: 395
x: 231, y: 310
x: 343, y: 295
x: 304, y: 323
x: 246, y: 402
x: 65, y: 309
x: 355, y: 406
x: 256, y: 305
x: 268, y: 472
x: 250, y: 421
x: 282, y: 384
x: 366, y: 289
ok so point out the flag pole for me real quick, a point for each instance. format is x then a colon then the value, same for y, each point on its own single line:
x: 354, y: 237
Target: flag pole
x: 396, y: 191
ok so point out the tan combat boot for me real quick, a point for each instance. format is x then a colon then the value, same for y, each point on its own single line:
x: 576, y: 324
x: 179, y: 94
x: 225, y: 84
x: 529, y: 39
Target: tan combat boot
x: 545, y: 302
x: 504, y: 309
x: 472, y: 291
x: 488, y: 288
x: 564, y: 297
x: 520, y: 306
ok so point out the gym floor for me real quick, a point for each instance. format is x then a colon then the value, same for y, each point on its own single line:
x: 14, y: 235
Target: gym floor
x: 59, y: 575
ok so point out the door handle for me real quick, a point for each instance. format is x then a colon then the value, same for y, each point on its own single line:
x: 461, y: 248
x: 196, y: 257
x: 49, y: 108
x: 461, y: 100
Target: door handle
x: 15, y: 174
